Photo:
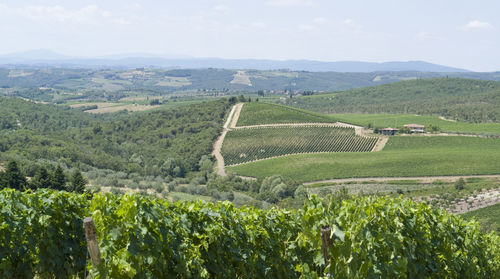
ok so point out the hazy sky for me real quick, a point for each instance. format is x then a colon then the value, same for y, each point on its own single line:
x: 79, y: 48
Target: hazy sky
x: 458, y: 33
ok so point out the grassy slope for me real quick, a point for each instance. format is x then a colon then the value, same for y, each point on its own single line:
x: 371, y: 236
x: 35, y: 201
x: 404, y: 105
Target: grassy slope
x: 263, y: 113
x: 488, y: 217
x: 398, y: 120
x: 403, y: 156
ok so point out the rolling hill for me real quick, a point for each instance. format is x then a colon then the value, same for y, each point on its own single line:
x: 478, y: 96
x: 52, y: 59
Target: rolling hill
x: 50, y: 58
x: 458, y: 99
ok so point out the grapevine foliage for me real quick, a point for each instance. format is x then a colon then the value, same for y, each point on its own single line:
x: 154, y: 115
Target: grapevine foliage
x: 41, y: 235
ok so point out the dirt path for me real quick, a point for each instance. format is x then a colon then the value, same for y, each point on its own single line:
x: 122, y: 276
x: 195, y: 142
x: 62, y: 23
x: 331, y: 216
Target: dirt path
x: 236, y: 116
x: 380, y: 144
x: 447, y: 135
x: 424, y: 179
x: 336, y: 124
x: 229, y: 117
x: 446, y: 119
x: 231, y: 120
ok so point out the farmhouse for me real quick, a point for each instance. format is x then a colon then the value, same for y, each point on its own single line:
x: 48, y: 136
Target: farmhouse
x: 389, y: 131
x: 415, y: 128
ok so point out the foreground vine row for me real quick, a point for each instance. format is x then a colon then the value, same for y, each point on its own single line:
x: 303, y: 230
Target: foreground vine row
x: 41, y: 235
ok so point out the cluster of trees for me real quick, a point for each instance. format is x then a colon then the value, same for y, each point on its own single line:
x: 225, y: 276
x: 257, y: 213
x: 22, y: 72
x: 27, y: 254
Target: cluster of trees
x: 45, y: 177
x: 467, y: 100
x: 167, y: 142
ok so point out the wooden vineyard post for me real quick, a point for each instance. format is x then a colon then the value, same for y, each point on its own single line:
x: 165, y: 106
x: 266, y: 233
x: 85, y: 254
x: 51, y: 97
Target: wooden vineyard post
x: 91, y: 238
x: 325, y: 241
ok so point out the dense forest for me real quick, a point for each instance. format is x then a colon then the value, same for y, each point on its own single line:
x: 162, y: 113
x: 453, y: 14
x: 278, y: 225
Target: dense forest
x: 166, y: 142
x: 460, y: 99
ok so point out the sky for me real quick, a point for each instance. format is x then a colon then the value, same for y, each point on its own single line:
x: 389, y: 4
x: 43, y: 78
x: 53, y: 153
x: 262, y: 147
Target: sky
x: 458, y: 33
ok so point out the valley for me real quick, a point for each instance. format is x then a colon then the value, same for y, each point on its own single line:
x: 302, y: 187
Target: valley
x: 274, y: 151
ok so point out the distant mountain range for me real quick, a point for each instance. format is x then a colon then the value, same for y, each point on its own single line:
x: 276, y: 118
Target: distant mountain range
x: 48, y: 58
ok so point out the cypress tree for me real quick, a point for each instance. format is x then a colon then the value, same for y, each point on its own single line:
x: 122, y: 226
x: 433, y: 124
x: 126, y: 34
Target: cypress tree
x: 41, y: 179
x: 78, y: 182
x: 58, y: 179
x: 3, y: 183
x: 13, y: 177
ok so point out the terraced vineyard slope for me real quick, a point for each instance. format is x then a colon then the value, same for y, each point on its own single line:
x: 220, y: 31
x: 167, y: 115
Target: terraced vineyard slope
x: 245, y: 145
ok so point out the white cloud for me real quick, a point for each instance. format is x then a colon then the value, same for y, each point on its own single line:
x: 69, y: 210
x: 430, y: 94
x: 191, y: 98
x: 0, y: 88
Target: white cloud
x: 306, y: 27
x: 90, y: 14
x: 258, y: 24
x: 121, y: 21
x: 283, y: 3
x: 320, y: 20
x: 476, y: 24
x: 221, y: 8
x: 235, y: 27
x: 135, y: 7
x: 352, y: 24
x: 87, y: 14
x: 426, y: 36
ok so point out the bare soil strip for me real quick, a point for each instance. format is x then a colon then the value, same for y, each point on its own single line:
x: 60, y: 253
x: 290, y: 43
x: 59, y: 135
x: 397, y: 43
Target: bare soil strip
x: 446, y: 119
x: 237, y: 112
x: 218, y: 144
x: 423, y: 179
x: 480, y: 200
x: 380, y: 144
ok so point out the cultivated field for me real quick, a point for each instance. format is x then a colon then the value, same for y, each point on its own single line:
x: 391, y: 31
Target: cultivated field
x: 128, y: 107
x: 402, y: 157
x: 245, y: 145
x: 241, y: 78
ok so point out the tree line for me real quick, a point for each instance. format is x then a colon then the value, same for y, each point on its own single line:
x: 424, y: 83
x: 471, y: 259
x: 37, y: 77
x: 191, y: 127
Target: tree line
x: 46, y: 176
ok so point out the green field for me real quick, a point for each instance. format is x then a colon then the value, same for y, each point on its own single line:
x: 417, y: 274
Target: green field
x: 398, y: 120
x: 246, y: 145
x: 488, y: 217
x: 402, y: 156
x: 265, y: 113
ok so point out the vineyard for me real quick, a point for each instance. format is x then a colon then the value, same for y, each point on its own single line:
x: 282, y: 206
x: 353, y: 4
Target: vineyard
x: 264, y: 113
x: 41, y: 236
x: 246, y: 145
x: 401, y: 157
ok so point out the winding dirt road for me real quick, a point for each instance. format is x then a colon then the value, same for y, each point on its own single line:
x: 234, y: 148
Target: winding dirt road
x: 231, y: 121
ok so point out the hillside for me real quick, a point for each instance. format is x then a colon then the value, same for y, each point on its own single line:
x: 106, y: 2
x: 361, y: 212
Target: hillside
x: 164, y: 141
x: 59, y: 84
x: 459, y: 99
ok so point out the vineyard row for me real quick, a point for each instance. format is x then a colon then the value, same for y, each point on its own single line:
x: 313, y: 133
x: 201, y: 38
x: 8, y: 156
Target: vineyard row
x: 246, y: 145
